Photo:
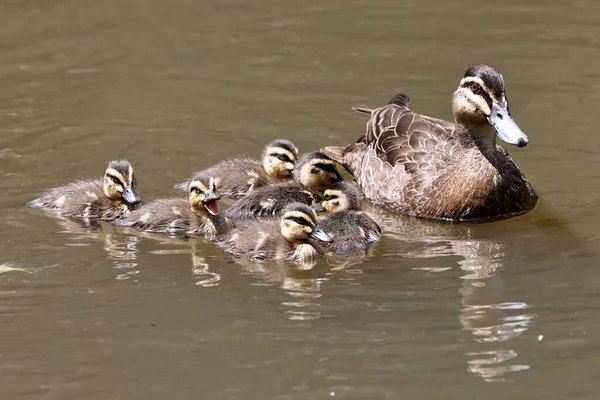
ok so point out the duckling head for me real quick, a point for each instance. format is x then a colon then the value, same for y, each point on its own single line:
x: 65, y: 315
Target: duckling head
x: 203, y: 194
x: 316, y: 170
x: 279, y: 158
x: 298, y: 224
x: 119, y: 182
x: 480, y: 100
x: 340, y: 196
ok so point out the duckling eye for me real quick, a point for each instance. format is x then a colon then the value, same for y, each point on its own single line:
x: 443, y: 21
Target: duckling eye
x: 283, y: 157
x: 327, y: 197
x: 299, y: 221
x: 475, y: 88
x: 115, y: 179
x: 195, y: 190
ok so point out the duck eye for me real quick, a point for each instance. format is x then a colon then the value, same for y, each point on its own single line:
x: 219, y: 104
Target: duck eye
x: 327, y: 197
x: 195, y: 190
x: 283, y: 157
x: 475, y: 88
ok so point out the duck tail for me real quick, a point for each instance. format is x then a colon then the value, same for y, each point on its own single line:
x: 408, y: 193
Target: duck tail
x: 400, y: 100
x: 336, y: 153
x: 363, y: 110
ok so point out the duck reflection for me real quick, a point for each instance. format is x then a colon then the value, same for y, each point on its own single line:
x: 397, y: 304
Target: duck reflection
x: 485, y: 312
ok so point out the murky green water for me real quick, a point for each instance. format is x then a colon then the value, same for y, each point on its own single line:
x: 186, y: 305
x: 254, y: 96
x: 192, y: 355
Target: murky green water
x: 508, y: 309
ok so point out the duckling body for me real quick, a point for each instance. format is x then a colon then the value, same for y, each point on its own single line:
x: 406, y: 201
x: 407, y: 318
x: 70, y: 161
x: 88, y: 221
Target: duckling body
x: 430, y: 168
x: 110, y: 198
x: 350, y: 228
x: 197, y: 215
x: 313, y: 174
x: 236, y: 177
x: 288, y: 238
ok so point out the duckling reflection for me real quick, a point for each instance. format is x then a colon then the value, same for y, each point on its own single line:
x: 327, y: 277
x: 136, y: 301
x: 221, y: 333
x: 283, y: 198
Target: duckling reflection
x: 111, y: 198
x: 493, y: 321
x: 122, y: 250
x: 314, y: 173
x: 302, y: 285
x: 238, y: 176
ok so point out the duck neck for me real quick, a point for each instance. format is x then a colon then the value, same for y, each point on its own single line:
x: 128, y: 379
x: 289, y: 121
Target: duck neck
x: 200, y: 212
x: 481, y: 136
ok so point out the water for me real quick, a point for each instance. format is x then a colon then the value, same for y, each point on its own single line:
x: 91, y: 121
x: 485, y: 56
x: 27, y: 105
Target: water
x: 434, y: 312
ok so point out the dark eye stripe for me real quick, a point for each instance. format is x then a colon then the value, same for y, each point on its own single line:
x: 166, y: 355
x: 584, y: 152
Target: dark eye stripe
x: 115, y: 179
x: 326, y: 167
x: 481, y: 92
x: 282, y: 157
x: 300, y: 221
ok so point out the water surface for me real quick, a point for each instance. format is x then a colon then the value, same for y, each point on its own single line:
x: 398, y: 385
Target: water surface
x: 434, y: 312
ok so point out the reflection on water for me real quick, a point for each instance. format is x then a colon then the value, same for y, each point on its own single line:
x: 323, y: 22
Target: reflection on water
x: 490, y: 322
x: 200, y: 268
x: 123, y: 251
x: 485, y: 313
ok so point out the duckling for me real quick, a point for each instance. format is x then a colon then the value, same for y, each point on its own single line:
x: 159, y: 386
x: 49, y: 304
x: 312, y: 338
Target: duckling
x: 350, y: 228
x: 287, y: 238
x: 197, y: 215
x: 236, y: 177
x: 110, y: 198
x: 313, y: 174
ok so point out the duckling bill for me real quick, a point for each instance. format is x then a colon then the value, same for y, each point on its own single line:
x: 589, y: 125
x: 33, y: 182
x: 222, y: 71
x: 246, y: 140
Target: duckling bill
x: 110, y: 198
x: 196, y: 215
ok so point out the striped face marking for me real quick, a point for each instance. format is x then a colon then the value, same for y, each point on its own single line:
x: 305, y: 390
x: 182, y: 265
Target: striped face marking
x: 281, y: 154
x: 299, y: 218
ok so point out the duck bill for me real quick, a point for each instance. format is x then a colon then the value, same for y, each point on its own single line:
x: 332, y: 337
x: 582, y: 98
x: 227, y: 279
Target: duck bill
x: 319, y: 234
x: 318, y: 207
x: 506, y: 127
x: 130, y: 195
x: 210, y: 202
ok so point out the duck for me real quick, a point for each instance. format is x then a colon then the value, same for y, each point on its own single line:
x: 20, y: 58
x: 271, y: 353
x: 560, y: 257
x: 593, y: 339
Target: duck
x: 238, y: 176
x: 293, y: 236
x: 313, y: 173
x: 111, y: 198
x: 196, y: 215
x: 350, y: 228
x: 429, y: 168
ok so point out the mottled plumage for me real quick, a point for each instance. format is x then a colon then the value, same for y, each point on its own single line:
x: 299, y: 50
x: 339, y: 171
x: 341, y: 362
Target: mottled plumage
x: 236, y: 177
x: 197, y: 215
x: 430, y: 168
x: 110, y: 198
x: 290, y: 237
x: 350, y: 228
x: 313, y: 174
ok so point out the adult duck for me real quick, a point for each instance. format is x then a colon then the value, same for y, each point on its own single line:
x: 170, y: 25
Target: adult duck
x: 429, y: 168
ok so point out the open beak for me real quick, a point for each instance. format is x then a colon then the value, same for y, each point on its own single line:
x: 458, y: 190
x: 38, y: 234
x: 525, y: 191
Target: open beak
x: 506, y: 127
x: 319, y: 234
x: 210, y: 202
x: 130, y: 196
x: 318, y: 207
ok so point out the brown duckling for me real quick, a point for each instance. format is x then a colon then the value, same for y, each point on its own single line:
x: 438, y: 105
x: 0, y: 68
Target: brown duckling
x: 236, y: 177
x: 110, y: 198
x: 313, y: 174
x: 197, y: 215
x: 350, y: 228
x: 287, y: 238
